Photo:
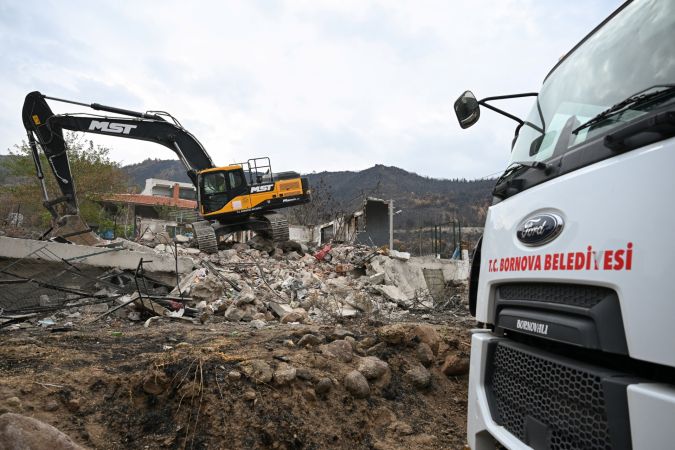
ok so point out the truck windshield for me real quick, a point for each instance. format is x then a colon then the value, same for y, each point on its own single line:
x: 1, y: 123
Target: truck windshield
x: 631, y: 54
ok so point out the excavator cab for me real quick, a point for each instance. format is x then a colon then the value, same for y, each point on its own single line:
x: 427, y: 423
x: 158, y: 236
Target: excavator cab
x: 222, y: 187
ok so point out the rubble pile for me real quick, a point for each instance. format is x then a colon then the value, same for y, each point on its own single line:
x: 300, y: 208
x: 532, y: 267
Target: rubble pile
x: 257, y: 282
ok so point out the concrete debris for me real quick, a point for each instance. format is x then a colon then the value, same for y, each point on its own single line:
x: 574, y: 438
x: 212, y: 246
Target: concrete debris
x: 258, y: 282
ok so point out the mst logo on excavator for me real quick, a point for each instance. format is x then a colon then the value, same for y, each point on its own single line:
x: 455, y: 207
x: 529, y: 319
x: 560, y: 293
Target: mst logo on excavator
x: 109, y: 127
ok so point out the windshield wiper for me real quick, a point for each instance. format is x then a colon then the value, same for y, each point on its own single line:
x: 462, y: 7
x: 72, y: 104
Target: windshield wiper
x: 634, y: 99
x: 514, y: 166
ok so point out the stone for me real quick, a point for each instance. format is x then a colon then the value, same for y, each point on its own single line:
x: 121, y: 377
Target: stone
x: 401, y: 428
x: 394, y: 334
x: 261, y: 372
x: 284, y: 374
x: 339, y: 349
x: 209, y: 289
x: 244, y: 312
x: 13, y: 402
x: 280, y: 309
x: 297, y: 315
x: 356, y: 384
x: 376, y: 349
x: 310, y: 340
x: 304, y: 374
x: 191, y: 251
x: 20, y: 432
x: 245, y: 296
x: 419, y: 377
x: 427, y: 334
x: 51, y: 406
x: 424, y: 354
x: 234, y: 314
x: 340, y: 333
x: 455, y: 365
x: 160, y: 247
x: 372, y: 367
x: 288, y: 343
x: 323, y: 386
x: 249, y: 395
x: 234, y: 375
x: 258, y: 324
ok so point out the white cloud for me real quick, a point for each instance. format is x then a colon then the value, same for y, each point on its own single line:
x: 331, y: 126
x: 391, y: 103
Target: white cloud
x: 315, y: 85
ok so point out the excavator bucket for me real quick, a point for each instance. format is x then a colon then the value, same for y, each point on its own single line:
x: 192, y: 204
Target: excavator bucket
x: 75, y: 230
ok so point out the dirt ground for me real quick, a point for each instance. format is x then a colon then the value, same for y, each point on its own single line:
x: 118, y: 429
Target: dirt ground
x: 180, y: 386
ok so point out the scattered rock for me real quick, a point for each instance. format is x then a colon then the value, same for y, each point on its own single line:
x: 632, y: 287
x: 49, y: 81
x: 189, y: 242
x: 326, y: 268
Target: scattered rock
x: 258, y: 324
x: 455, y: 365
x: 310, y: 340
x: 372, y: 367
x: 323, y: 386
x: 234, y: 375
x: 419, y: 377
x: 284, y: 374
x: 249, y: 395
x: 21, y: 432
x: 427, y: 334
x: 356, y: 384
x: 73, y: 404
x: 394, y: 334
x: 297, y: 315
x: 424, y: 354
x: 339, y: 349
x: 288, y: 343
x: 376, y: 349
x: 13, y: 402
x: 261, y: 372
x: 51, y: 405
x: 304, y: 374
x: 401, y: 428
x: 340, y: 333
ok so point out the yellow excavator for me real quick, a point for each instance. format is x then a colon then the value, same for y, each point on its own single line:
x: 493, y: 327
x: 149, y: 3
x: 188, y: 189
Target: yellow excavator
x: 242, y: 196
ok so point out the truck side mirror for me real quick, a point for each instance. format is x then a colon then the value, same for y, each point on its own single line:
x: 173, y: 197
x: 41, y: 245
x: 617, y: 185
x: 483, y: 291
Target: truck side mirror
x: 467, y: 109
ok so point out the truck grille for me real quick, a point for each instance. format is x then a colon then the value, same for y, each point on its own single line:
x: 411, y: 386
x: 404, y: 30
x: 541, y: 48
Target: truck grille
x: 566, y: 294
x: 546, y: 402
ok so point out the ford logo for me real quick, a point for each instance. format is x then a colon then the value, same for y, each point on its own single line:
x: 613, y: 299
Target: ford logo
x: 539, y: 229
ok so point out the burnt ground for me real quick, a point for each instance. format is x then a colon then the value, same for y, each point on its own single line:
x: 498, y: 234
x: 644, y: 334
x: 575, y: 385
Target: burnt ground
x: 121, y: 386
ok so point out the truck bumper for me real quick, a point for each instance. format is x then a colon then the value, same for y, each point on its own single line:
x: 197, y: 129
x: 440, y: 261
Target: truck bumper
x: 651, y: 408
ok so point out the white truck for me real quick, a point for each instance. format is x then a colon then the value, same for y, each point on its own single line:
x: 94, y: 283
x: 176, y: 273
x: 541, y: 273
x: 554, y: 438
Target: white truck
x: 571, y: 284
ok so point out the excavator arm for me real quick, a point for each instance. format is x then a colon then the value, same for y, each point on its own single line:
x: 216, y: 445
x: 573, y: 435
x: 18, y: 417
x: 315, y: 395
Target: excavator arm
x: 45, y: 129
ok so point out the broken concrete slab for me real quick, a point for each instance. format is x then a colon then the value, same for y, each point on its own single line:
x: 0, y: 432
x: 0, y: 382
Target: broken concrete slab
x: 121, y: 258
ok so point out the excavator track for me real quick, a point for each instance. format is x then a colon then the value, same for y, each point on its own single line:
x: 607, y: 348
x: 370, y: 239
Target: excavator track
x: 278, y: 226
x: 206, y: 236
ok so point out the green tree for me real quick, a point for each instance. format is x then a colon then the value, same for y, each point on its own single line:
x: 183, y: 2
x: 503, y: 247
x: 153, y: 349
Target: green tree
x: 94, y: 175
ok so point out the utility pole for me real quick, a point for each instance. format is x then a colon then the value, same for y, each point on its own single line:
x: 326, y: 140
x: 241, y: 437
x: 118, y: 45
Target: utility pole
x: 391, y: 224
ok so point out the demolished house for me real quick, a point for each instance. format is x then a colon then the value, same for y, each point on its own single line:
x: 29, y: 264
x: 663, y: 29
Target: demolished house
x: 56, y: 284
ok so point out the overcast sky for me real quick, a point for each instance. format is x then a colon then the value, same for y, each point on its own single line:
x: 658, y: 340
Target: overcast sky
x: 315, y: 85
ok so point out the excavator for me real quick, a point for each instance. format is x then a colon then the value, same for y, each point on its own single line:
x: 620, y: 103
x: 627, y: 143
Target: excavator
x: 242, y: 196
